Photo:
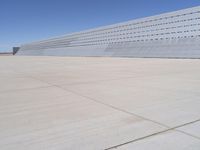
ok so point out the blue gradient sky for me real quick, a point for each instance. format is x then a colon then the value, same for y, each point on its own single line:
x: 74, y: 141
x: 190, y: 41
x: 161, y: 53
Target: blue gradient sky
x: 23, y: 21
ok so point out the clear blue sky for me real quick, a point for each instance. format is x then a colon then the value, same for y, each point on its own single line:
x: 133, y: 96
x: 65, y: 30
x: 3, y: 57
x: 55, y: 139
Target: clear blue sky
x: 23, y: 21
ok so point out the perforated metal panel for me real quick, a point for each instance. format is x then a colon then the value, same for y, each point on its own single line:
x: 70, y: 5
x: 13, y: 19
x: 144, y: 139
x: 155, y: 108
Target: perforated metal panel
x: 175, y: 34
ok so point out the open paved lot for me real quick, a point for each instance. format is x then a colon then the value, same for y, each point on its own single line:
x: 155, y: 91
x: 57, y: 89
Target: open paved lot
x: 59, y: 103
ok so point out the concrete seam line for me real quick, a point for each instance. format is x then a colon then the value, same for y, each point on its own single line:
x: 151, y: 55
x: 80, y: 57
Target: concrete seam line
x: 157, y: 133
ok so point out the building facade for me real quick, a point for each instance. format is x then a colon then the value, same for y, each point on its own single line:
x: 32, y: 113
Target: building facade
x: 170, y: 35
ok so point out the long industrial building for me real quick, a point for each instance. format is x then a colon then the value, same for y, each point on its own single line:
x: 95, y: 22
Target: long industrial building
x: 170, y: 35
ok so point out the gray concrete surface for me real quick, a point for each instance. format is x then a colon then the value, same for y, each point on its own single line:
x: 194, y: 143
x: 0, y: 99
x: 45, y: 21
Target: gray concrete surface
x: 59, y: 103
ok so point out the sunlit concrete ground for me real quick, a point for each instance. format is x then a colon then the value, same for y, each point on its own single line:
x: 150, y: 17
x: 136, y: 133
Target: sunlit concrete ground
x: 60, y: 103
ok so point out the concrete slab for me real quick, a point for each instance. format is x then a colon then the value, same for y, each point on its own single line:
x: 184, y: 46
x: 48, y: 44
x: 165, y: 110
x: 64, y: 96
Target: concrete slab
x: 169, y: 107
x: 98, y: 103
x: 19, y: 83
x: 38, y: 119
x: 169, y: 140
x: 173, y: 114
x: 193, y: 129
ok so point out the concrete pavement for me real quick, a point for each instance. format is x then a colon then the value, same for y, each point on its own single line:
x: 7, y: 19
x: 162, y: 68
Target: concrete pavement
x: 59, y: 103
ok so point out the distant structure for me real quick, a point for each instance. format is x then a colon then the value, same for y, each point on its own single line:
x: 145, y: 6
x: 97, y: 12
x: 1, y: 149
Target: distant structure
x: 170, y: 35
x: 6, y: 53
x: 15, y: 50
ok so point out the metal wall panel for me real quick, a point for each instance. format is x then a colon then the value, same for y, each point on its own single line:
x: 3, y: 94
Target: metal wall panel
x: 174, y: 34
